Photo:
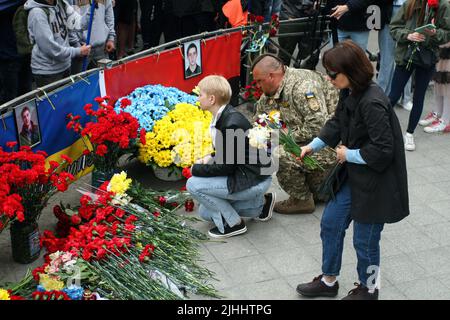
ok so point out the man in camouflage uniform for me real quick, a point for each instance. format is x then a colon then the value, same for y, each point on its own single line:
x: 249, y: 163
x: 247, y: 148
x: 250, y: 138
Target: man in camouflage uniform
x: 306, y: 100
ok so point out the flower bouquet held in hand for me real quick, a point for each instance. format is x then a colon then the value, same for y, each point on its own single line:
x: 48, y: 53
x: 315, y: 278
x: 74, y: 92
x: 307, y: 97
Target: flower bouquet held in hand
x: 26, y: 185
x: 268, y: 124
x: 107, y: 138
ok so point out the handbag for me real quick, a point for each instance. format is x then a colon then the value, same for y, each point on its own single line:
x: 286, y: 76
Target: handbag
x: 333, y: 181
x: 423, y: 57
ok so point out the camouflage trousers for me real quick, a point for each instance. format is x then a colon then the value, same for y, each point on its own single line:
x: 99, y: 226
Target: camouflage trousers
x: 299, y: 182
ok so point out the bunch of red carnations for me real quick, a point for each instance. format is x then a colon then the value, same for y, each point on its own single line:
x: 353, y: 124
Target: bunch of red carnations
x: 26, y: 183
x: 109, y: 135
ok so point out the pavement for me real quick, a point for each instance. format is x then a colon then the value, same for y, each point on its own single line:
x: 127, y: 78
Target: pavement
x: 273, y: 257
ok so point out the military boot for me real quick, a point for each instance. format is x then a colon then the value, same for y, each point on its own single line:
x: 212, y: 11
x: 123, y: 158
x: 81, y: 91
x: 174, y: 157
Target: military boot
x: 295, y: 206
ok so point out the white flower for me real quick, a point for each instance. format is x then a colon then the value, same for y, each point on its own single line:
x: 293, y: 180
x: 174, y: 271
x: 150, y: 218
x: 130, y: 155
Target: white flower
x: 263, y: 118
x: 258, y: 137
x: 67, y: 256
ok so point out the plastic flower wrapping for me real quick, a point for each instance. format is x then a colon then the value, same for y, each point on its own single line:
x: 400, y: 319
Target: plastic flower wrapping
x: 179, y: 138
x: 152, y: 102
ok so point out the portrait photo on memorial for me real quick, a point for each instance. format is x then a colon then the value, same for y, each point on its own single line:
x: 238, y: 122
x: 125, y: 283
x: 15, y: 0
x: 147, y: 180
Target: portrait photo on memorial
x: 27, y: 124
x: 192, y: 59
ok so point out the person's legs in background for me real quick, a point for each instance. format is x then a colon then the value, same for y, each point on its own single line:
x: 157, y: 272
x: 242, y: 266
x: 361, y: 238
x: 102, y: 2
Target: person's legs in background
x: 361, y: 38
x: 146, y: 14
x: 45, y: 79
x: 15, y: 78
x: 423, y: 77
x: 399, y: 80
x: 438, y: 120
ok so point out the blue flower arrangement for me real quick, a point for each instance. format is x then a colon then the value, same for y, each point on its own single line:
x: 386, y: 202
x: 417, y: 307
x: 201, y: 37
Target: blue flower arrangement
x: 152, y: 102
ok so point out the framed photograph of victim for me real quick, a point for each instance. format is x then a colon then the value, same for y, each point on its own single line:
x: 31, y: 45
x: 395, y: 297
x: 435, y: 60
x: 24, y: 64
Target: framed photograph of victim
x: 192, y: 59
x: 27, y: 124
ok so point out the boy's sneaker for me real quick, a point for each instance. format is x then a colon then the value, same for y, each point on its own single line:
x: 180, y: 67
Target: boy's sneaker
x: 267, y: 211
x: 409, y: 142
x: 429, y: 119
x: 228, y: 231
x: 437, y: 126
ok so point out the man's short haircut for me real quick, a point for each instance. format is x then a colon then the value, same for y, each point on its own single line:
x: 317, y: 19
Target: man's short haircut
x: 273, y: 61
x: 192, y: 45
x: 23, y: 110
x: 217, y: 86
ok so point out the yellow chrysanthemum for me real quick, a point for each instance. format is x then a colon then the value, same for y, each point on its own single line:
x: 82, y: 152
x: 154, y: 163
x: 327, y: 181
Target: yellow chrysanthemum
x: 179, y: 138
x: 4, y: 295
x: 50, y: 283
x: 119, y: 183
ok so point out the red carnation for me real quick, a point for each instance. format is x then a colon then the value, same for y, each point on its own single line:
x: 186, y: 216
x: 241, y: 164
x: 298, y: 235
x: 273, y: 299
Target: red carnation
x: 101, y: 150
x: 86, y: 152
x: 162, y: 200
x: 75, y: 219
x: 433, y: 4
x: 187, y: 173
x: 11, y: 144
x: 142, y: 134
x: 66, y: 158
x: 260, y: 19
x: 53, y: 164
x: 125, y: 102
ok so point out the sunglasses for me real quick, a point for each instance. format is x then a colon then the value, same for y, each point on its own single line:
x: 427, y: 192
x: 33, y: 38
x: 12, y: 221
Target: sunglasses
x: 332, y: 74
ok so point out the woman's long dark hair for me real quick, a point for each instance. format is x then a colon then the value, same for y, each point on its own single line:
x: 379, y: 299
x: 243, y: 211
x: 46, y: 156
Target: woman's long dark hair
x: 348, y: 58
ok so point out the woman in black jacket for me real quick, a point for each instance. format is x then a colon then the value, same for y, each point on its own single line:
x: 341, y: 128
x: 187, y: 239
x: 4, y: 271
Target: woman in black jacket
x: 232, y: 183
x: 372, y: 186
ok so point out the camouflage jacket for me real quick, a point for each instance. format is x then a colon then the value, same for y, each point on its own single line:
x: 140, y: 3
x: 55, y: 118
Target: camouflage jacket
x: 306, y: 100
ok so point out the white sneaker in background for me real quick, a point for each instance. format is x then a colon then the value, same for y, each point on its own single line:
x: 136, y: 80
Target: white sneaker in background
x: 437, y: 126
x: 409, y: 142
x: 429, y: 119
x: 407, y: 106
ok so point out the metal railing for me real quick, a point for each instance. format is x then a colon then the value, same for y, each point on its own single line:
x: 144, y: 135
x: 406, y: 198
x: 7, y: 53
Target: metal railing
x: 41, y: 92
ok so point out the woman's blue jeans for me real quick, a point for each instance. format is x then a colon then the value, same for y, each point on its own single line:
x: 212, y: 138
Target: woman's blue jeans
x: 366, y: 239
x: 216, y: 202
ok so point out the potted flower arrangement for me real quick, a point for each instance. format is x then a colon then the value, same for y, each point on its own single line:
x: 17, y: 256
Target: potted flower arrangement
x: 151, y: 103
x: 177, y: 140
x: 110, y: 135
x: 26, y: 185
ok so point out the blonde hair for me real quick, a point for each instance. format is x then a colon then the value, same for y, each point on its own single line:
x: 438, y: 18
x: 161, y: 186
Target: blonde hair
x: 217, y: 86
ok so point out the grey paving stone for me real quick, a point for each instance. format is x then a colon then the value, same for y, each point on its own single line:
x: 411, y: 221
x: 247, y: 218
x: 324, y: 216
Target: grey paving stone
x: 426, y: 193
x: 401, y: 268
x: 424, y: 289
x: 292, y: 261
x: 434, y: 174
x: 277, y: 289
x: 439, y: 232
x: 222, y: 277
x: 232, y: 248
x: 434, y: 261
x: 268, y: 238
x: 250, y: 270
x: 413, y: 241
x: 391, y: 293
x: 422, y: 215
